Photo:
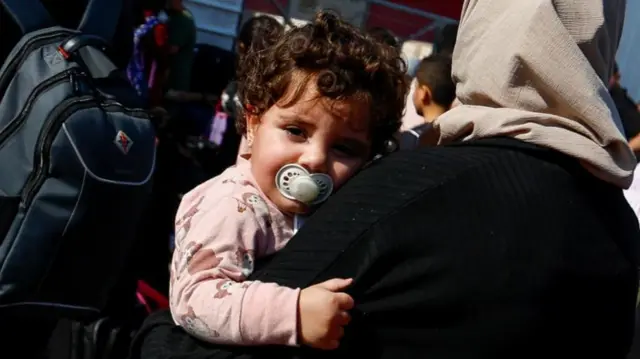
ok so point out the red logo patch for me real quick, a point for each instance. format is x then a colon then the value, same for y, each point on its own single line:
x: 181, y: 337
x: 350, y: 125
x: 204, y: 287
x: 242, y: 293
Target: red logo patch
x: 123, y: 142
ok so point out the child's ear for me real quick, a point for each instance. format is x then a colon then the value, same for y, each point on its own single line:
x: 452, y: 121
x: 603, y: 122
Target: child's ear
x: 253, y: 122
x: 425, y: 91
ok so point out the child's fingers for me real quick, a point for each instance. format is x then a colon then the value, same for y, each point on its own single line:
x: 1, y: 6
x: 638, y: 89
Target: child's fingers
x: 345, y: 302
x: 344, y: 318
x: 335, y: 284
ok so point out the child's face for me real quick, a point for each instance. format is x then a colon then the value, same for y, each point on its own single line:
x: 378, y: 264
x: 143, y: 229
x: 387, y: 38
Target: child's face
x: 321, y: 135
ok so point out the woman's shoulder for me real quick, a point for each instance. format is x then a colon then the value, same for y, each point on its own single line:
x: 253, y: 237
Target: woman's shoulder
x: 460, y: 163
x: 496, y: 177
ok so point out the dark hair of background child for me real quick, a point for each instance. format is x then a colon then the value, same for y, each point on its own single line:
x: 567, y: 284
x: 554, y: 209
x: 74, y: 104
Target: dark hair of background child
x: 257, y: 34
x: 434, y: 71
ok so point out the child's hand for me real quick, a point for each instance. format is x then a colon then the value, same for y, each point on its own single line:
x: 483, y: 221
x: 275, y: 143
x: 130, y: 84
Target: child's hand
x: 322, y: 312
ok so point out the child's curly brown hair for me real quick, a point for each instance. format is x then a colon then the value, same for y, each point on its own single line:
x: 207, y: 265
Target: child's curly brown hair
x: 345, y: 63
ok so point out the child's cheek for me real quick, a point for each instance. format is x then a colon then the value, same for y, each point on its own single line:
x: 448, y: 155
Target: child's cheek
x: 344, y: 171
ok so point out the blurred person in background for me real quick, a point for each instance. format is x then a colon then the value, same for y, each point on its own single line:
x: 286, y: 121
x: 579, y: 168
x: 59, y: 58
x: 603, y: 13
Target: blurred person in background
x: 181, y: 30
x: 627, y: 108
x: 148, y: 65
x: 630, y: 116
x: 411, y: 118
x: 446, y: 40
x: 443, y: 45
x: 433, y: 95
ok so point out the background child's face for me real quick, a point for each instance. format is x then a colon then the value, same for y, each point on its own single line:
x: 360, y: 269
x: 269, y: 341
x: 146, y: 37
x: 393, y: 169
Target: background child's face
x: 319, y: 134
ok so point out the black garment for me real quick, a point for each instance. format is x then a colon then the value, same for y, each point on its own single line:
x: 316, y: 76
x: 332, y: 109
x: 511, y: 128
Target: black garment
x: 634, y: 353
x: 491, y: 249
x: 410, y: 139
x: 628, y: 111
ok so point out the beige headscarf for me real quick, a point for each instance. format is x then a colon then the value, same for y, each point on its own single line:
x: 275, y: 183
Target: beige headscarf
x: 536, y: 70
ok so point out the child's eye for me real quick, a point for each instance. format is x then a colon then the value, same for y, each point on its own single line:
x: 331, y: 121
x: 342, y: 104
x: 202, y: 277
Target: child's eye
x: 295, y: 131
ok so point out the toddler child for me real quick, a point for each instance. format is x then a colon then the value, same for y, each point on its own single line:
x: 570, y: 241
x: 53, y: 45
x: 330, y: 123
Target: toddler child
x: 317, y: 106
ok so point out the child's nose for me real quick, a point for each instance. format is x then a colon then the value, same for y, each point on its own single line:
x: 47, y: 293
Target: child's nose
x: 314, y: 160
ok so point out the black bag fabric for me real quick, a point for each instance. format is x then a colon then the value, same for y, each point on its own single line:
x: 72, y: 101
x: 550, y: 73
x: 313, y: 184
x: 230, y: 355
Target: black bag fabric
x: 77, y: 154
x: 106, y: 338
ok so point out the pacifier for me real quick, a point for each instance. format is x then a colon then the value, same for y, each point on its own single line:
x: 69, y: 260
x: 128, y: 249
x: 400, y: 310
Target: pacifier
x: 296, y: 183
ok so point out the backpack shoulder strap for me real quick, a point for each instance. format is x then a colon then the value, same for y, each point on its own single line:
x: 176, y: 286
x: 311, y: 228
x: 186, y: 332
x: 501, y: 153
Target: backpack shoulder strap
x: 30, y: 15
x: 100, y: 18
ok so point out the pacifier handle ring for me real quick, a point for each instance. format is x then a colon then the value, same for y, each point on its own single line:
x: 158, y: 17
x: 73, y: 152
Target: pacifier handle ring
x: 293, y: 166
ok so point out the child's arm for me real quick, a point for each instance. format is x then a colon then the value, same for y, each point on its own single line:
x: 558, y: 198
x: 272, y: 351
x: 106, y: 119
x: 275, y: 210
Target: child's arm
x: 215, y: 250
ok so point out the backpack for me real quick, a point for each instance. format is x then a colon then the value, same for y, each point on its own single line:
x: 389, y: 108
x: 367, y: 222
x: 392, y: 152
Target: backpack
x: 77, y: 153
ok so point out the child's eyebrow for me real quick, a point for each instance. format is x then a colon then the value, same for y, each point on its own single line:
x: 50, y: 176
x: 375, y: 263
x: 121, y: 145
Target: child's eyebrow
x: 299, y: 120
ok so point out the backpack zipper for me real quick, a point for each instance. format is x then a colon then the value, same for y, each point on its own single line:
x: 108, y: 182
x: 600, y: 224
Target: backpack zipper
x: 16, y: 123
x: 51, y: 128
x: 27, y: 48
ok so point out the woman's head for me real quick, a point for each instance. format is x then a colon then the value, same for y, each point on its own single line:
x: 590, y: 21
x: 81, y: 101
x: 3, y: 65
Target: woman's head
x: 538, y: 72
x: 258, y: 33
x: 582, y: 35
x: 325, y: 96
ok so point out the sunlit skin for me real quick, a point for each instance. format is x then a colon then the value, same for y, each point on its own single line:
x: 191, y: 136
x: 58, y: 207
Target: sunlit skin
x: 424, y: 104
x: 320, y: 134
